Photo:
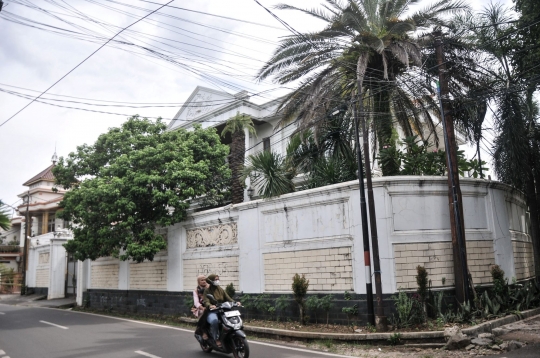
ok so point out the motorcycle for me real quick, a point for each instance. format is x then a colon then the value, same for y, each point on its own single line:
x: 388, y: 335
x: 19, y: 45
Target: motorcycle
x: 232, y: 337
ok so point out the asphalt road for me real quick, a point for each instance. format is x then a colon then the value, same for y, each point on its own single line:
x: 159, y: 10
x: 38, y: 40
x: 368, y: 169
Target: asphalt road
x: 27, y: 332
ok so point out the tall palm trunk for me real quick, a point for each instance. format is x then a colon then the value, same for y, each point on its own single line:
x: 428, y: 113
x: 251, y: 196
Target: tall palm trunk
x: 532, y: 203
x: 382, y: 119
x: 236, y: 163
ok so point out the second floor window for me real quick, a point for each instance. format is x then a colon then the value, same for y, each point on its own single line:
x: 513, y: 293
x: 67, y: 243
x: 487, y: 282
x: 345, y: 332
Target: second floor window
x: 266, y: 144
x: 51, y: 223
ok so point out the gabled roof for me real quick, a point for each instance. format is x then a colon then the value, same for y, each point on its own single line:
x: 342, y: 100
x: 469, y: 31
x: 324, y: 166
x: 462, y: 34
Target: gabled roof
x: 46, y: 175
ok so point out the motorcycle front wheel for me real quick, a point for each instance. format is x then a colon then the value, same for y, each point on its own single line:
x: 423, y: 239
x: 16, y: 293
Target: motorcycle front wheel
x: 240, y: 347
x: 207, y: 348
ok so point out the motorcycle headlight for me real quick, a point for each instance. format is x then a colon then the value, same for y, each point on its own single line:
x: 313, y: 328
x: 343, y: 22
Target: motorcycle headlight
x: 233, y: 322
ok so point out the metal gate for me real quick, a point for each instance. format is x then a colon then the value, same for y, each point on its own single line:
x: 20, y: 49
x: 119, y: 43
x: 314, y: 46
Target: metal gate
x: 71, y: 276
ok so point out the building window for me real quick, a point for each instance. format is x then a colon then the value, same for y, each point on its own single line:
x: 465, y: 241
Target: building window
x: 39, y: 226
x: 51, y: 223
x: 266, y: 144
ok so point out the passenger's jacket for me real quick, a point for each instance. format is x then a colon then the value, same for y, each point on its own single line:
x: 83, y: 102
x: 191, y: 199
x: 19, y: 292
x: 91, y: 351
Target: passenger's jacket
x: 219, y: 294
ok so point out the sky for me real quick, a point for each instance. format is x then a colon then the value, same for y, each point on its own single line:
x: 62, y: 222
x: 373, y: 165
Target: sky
x: 124, y: 77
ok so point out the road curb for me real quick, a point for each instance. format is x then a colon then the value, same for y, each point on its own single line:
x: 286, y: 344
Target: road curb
x: 490, y: 325
x: 410, y: 336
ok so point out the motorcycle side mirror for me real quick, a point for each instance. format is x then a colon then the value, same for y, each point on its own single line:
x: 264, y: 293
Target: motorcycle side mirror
x: 211, y: 298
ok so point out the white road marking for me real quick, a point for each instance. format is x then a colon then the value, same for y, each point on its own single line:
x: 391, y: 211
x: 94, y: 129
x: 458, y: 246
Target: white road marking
x: 146, y: 354
x: 2, y: 352
x: 134, y: 321
x: 2, y: 313
x: 192, y: 330
x: 52, y: 324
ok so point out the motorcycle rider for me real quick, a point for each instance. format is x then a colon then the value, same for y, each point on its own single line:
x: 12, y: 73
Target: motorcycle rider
x: 220, y: 296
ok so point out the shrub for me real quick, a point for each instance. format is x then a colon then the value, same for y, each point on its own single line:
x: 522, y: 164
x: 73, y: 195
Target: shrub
x: 350, y: 312
x: 499, y: 282
x: 395, y: 339
x: 327, y: 303
x: 313, y: 303
x: 404, y: 308
x: 299, y: 287
x: 262, y: 304
x: 248, y: 303
x: 230, y: 290
x: 282, y: 302
x: 189, y: 301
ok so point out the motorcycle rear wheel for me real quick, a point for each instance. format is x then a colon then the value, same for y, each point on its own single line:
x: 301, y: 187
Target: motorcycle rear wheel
x: 240, y: 347
x: 207, y: 348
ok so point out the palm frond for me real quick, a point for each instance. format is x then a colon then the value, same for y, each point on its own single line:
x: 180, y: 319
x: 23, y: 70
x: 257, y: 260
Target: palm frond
x: 312, y: 12
x: 238, y: 123
x: 269, y: 174
x: 4, y: 217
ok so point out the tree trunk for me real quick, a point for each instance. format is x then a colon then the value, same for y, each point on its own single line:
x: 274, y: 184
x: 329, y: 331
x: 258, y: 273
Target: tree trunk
x: 302, y: 313
x: 382, y: 120
x: 236, y: 163
x: 532, y: 203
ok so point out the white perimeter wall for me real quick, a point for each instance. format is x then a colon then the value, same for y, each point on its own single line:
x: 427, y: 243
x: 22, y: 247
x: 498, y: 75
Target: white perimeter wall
x: 259, y: 245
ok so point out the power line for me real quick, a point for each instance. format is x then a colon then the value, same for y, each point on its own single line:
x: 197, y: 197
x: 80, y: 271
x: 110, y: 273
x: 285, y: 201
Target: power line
x: 83, y: 61
x: 220, y: 16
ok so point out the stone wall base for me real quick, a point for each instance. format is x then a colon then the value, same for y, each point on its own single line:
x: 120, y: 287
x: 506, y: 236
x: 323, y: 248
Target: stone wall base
x: 178, y: 303
x: 42, y: 291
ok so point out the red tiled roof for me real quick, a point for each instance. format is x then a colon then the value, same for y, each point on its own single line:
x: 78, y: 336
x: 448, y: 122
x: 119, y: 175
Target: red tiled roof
x: 44, y: 175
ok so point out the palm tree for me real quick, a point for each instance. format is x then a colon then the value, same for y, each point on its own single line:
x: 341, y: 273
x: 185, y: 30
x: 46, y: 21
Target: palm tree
x: 270, y: 174
x: 516, y: 146
x: 4, y: 216
x: 364, y: 48
x: 236, y: 126
x: 328, y: 157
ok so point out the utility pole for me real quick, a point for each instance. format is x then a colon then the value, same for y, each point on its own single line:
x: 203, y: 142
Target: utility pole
x: 363, y: 213
x: 381, y: 322
x: 459, y: 248
x: 26, y: 236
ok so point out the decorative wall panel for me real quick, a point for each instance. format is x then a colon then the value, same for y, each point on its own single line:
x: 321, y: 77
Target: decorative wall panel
x: 223, y: 234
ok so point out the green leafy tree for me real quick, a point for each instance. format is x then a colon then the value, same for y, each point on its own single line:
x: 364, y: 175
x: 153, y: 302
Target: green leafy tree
x: 236, y: 126
x: 134, y: 179
x: 4, y: 216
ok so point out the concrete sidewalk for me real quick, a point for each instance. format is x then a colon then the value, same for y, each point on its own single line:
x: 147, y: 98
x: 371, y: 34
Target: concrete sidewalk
x: 36, y: 301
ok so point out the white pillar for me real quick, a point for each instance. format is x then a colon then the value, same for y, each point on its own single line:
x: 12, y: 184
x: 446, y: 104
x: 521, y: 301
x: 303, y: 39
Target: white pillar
x: 250, y: 263
x: 57, y: 271
x: 82, y: 283
x: 247, y: 145
x: 175, y: 247
x: 33, y: 257
x: 123, y: 275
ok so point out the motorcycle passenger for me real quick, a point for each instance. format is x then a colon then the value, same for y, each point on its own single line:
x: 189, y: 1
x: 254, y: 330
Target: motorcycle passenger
x: 221, y: 296
x: 198, y: 306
